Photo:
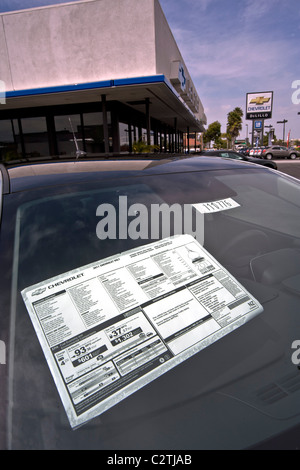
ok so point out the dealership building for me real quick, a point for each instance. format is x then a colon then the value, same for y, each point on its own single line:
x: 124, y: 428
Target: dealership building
x: 93, y: 75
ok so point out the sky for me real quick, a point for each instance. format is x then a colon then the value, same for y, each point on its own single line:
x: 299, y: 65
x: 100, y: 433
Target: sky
x: 231, y: 48
x: 235, y: 47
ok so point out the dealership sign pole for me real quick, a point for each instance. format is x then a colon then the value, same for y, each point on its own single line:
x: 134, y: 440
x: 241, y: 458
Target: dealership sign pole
x: 258, y: 108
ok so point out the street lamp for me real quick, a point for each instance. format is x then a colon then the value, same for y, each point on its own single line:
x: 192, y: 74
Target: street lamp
x: 269, y: 135
x: 283, y: 122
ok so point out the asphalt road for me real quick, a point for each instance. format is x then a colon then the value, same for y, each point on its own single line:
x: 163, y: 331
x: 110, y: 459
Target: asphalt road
x: 290, y: 167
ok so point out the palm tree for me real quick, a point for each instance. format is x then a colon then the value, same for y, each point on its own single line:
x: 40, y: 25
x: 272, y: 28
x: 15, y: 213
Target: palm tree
x: 234, y: 124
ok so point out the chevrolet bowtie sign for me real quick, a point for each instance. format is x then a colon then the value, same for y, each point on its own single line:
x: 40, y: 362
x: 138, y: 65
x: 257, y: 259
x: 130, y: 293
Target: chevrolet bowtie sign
x: 259, y: 105
x: 260, y: 100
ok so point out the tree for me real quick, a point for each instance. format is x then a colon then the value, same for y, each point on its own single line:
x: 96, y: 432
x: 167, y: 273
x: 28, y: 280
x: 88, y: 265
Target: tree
x: 213, y: 133
x: 141, y: 146
x: 224, y: 141
x: 234, y: 124
x: 266, y: 139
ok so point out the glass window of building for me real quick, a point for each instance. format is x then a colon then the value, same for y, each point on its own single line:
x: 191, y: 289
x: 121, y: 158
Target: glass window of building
x: 35, y: 137
x: 68, y: 134
x: 124, y: 137
x: 93, y: 132
x: 10, y: 144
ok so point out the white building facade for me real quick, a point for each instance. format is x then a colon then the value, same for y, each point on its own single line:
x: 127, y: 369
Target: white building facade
x: 95, y: 73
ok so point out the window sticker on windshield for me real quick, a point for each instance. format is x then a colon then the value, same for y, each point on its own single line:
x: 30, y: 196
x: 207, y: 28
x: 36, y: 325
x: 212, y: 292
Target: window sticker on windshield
x: 216, y: 206
x: 109, y: 328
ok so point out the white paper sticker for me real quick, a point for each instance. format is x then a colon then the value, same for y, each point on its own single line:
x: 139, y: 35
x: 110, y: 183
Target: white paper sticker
x: 109, y: 328
x: 216, y: 206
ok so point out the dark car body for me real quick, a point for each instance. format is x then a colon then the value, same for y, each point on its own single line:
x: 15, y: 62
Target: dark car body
x: 239, y: 156
x: 241, y: 390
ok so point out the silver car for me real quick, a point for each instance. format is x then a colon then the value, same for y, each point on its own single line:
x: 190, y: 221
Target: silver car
x: 278, y: 151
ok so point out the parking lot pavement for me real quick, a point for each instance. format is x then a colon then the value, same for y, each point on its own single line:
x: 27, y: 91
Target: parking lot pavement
x: 290, y: 167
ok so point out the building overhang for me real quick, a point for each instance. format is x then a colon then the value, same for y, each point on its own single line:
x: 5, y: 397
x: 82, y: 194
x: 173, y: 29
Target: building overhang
x: 165, y: 103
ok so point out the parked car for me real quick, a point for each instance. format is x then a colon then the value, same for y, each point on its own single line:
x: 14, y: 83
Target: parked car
x: 239, y: 156
x: 149, y: 305
x: 244, y: 151
x: 239, y: 147
x: 278, y: 151
x: 256, y: 152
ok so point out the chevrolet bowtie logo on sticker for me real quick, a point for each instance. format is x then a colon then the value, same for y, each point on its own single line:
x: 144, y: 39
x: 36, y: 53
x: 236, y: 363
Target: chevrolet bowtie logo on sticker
x: 259, y: 100
x: 39, y: 291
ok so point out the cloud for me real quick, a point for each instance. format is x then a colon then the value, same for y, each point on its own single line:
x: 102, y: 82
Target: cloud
x: 198, y: 5
x: 245, y: 58
x: 186, y: 6
x: 235, y: 47
x: 226, y: 107
x: 257, y: 10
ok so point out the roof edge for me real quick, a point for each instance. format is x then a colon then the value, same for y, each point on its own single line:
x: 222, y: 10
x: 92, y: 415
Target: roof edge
x: 90, y: 85
x: 44, y: 7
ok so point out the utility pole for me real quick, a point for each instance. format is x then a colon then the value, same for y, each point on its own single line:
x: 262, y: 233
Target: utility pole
x: 283, y: 122
x: 269, y: 134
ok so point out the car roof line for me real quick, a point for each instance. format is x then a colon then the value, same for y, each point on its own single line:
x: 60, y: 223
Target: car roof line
x: 5, y: 179
x: 72, y: 158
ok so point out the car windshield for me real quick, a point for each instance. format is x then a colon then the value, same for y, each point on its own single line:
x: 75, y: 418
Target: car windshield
x: 248, y: 220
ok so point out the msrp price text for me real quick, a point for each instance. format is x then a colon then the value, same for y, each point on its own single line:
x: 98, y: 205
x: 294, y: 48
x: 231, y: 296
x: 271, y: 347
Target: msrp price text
x: 155, y: 459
